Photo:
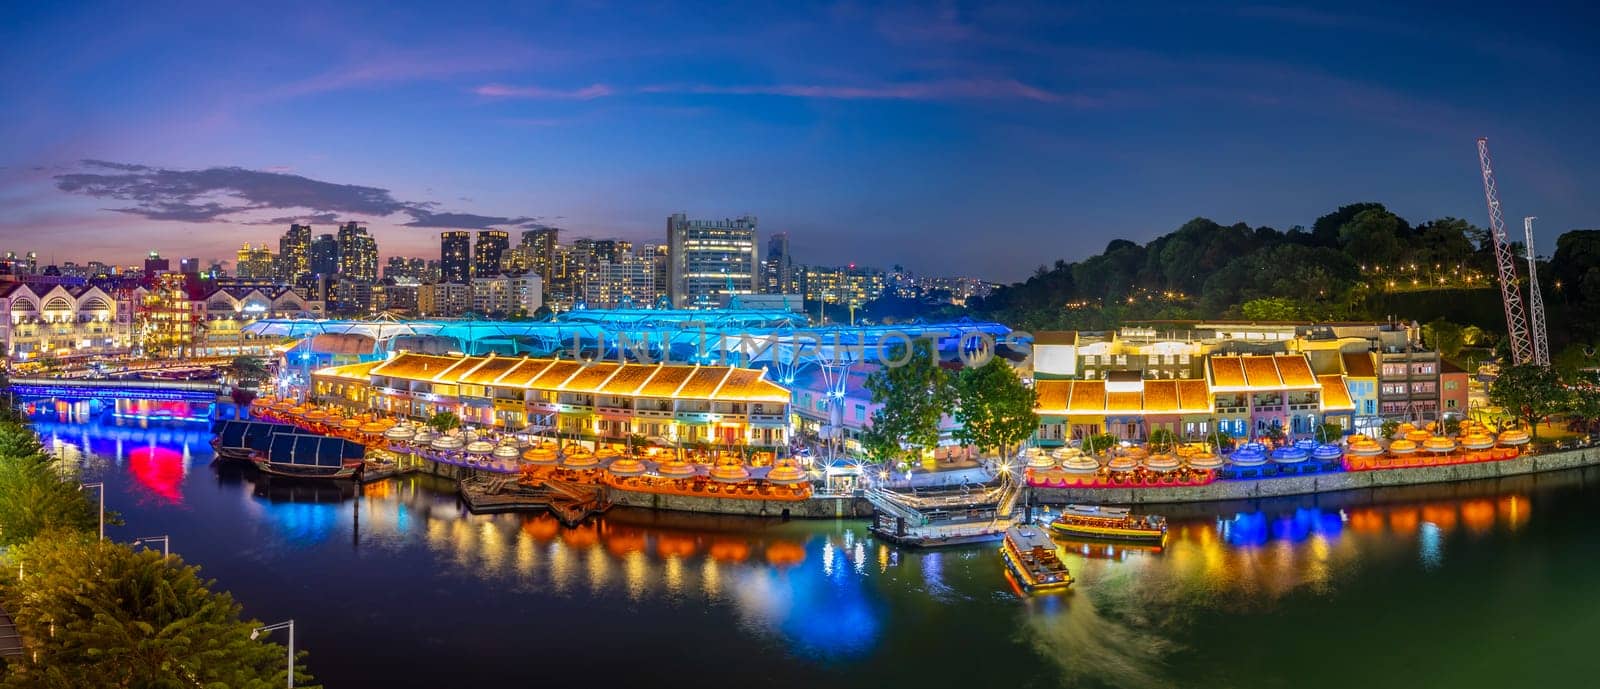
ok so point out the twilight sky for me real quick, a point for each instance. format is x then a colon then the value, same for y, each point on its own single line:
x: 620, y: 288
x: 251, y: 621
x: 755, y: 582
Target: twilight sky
x: 952, y: 138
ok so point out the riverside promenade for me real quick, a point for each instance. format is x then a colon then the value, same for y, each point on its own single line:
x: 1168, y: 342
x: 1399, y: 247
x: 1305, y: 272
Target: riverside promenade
x: 1252, y: 489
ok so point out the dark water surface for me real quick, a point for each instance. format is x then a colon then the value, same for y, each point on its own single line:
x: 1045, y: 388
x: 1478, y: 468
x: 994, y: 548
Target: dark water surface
x: 1485, y: 584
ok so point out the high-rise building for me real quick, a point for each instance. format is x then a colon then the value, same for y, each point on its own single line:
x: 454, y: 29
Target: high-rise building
x: 323, y: 256
x: 539, y: 249
x: 455, y: 257
x: 189, y: 266
x: 253, y: 262
x: 406, y: 271
x: 444, y: 299
x: 627, y: 282
x: 154, y: 265
x: 507, y: 295
x: 294, y: 255
x: 660, y: 257
x: 849, y: 285
x: 358, y: 254
x: 491, y: 247
x: 777, y: 270
x: 710, y: 258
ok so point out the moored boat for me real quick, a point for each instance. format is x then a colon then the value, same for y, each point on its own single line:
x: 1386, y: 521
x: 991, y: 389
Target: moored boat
x: 1112, y: 523
x: 303, y: 455
x: 1034, y: 559
x: 238, y: 440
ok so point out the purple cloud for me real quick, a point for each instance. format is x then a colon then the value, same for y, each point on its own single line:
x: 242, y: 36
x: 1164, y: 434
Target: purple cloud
x: 946, y: 89
x: 590, y: 92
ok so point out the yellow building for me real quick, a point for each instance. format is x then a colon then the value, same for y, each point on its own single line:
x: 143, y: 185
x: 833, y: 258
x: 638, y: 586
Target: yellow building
x: 662, y: 403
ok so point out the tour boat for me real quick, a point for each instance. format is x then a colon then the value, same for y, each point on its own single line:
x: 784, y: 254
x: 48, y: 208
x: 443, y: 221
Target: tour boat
x: 1477, y: 440
x: 238, y: 440
x: 1515, y: 436
x: 1112, y: 523
x: 302, y: 455
x: 1034, y: 559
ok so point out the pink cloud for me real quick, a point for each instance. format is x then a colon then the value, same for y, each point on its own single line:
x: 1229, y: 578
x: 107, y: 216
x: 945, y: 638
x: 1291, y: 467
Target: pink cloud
x: 589, y: 92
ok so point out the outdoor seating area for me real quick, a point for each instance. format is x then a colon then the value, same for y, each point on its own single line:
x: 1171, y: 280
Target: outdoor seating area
x: 1429, y: 446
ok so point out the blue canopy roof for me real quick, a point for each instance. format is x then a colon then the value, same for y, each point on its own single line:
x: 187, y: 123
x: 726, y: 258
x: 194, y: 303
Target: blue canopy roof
x: 251, y: 435
x: 312, y: 450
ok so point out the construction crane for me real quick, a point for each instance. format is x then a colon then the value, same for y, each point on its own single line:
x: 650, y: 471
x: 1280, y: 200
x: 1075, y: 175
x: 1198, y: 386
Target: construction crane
x: 1516, y: 322
x: 1536, y: 328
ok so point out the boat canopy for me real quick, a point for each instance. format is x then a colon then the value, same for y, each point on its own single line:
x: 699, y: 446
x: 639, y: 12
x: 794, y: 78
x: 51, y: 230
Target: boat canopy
x: 312, y: 450
x: 248, y: 435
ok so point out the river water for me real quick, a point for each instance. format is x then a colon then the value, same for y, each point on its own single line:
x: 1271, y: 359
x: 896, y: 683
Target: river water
x: 1487, y: 584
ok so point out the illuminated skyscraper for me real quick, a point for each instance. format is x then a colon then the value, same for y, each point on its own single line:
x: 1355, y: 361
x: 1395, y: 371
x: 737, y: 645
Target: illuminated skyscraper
x: 492, y: 245
x: 323, y: 256
x: 294, y: 255
x: 710, y: 258
x: 253, y: 262
x: 358, y: 254
x: 777, y: 270
x: 455, y: 257
x: 538, y: 247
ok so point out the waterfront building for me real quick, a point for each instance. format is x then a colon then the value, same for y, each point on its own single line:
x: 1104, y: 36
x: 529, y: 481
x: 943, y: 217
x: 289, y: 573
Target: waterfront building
x: 323, y: 256
x: 507, y: 295
x: 707, y: 258
x: 444, y: 299
x: 253, y: 262
x: 165, y: 319
x: 1361, y: 379
x: 64, y: 322
x: 225, y: 312
x: 1452, y: 390
x: 293, y: 264
x: 777, y: 268
x: 487, y: 254
x: 455, y: 256
x: 664, y: 404
x: 358, y: 254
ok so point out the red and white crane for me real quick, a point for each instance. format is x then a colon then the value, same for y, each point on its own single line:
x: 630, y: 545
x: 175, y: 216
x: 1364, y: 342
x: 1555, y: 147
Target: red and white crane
x: 1516, y: 321
x: 1536, y: 329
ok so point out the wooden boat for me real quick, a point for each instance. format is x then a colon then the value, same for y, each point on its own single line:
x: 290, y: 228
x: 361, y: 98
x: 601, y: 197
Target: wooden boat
x: 238, y: 440
x: 1111, y: 523
x: 303, y: 455
x: 1034, y: 559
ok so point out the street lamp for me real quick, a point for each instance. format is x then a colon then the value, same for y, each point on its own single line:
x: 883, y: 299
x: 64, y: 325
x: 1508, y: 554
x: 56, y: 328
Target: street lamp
x: 256, y: 633
x: 102, y: 488
x: 166, y: 543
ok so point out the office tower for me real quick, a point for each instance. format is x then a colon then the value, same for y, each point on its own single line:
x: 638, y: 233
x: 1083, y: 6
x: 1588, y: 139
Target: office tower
x: 850, y: 285
x: 323, y: 256
x: 486, y: 255
x: 777, y: 270
x: 455, y: 257
x: 659, y: 256
x: 709, y: 258
x: 358, y: 254
x: 294, y: 255
x: 254, y: 262
x: 539, y: 249
x: 189, y: 266
x: 627, y: 282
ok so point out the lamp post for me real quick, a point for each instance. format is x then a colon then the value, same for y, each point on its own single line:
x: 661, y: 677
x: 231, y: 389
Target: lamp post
x: 289, y: 625
x: 166, y: 543
x: 102, y: 489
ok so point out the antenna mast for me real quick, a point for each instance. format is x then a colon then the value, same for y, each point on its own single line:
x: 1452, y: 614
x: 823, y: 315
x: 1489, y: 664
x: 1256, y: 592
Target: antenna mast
x: 1536, y: 327
x: 1516, y: 322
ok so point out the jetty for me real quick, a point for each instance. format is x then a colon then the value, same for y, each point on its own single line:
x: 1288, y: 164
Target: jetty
x: 571, y: 503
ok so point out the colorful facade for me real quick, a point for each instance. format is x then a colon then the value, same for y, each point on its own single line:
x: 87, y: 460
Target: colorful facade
x: 665, y: 404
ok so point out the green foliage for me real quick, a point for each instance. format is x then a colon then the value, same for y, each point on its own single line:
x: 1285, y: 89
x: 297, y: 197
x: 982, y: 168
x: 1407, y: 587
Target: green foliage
x: 994, y: 409
x: 1162, y: 439
x: 1096, y: 444
x: 1218, y: 439
x: 1271, y: 309
x: 1389, y: 427
x: 99, y: 614
x: 248, y: 368
x: 1530, y: 393
x: 1583, y: 401
x: 444, y: 421
x: 1452, y: 426
x: 34, y: 497
x: 1444, y: 337
x: 1329, y: 433
x: 914, y: 396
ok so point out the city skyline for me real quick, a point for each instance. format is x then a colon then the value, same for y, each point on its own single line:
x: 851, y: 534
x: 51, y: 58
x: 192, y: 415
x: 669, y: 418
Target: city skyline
x: 1065, y: 128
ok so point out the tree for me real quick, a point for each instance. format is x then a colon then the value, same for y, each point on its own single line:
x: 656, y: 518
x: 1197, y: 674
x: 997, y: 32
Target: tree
x: 1445, y: 337
x: 914, y: 394
x: 1373, y: 236
x: 994, y: 409
x: 1583, y: 402
x: 248, y: 368
x: 444, y: 421
x: 98, y: 614
x: 1271, y: 309
x: 34, y: 497
x: 1330, y: 433
x: 1098, y: 443
x: 1529, y: 392
x: 1162, y: 439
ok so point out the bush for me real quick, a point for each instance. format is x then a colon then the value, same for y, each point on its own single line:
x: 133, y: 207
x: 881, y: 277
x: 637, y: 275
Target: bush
x: 1099, y: 443
x: 1389, y: 427
x: 1163, y: 439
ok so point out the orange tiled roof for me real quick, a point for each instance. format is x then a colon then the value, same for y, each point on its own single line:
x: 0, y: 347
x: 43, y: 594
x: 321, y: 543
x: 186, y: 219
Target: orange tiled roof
x: 416, y: 366
x: 1359, y: 365
x: 591, y: 377
x: 1295, y: 371
x: 1259, y: 372
x: 703, y: 382
x: 525, y: 372
x: 1052, y: 394
x: 553, y: 377
x: 1160, y: 395
x: 1124, y: 401
x: 1194, y: 394
x: 1227, y: 372
x: 666, y: 381
x: 1088, y: 395
x: 628, y: 380
x: 361, y: 371
x: 1335, y: 396
x: 490, y: 369
x: 751, y: 384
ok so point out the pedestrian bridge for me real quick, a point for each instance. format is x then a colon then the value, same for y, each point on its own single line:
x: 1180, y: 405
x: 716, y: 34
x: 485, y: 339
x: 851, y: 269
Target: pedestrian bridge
x: 157, y: 390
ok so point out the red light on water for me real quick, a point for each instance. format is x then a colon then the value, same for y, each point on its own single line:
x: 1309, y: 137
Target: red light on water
x: 159, y: 470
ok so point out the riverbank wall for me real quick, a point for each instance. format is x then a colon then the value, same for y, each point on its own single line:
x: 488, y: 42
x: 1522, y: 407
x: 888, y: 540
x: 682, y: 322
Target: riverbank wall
x: 815, y: 507
x: 1256, y: 489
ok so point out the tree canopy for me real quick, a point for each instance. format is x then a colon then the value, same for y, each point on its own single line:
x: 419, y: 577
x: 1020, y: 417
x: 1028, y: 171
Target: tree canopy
x: 914, y: 396
x: 1530, y: 393
x: 994, y: 408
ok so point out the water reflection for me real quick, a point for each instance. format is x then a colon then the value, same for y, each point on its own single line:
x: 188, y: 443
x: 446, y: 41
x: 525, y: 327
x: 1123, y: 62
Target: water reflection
x: 812, y: 594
